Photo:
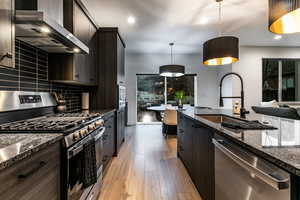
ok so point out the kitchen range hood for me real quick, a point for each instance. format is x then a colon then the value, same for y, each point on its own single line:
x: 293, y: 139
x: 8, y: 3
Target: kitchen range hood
x: 39, y: 30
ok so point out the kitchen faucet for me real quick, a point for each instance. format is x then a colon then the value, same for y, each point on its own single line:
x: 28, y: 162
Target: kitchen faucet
x: 243, y: 110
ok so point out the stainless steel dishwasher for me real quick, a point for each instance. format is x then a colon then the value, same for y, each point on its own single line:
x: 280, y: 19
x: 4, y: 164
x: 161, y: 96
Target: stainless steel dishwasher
x: 240, y: 175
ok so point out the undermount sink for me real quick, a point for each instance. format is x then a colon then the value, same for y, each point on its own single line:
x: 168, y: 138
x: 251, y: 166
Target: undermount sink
x: 233, y: 123
x: 219, y: 118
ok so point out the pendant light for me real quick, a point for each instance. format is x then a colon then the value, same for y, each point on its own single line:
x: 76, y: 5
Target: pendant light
x: 222, y: 50
x: 284, y: 16
x: 171, y: 70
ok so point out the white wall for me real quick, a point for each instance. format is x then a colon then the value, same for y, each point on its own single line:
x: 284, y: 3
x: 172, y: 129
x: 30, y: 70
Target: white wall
x: 207, y: 78
x: 249, y: 67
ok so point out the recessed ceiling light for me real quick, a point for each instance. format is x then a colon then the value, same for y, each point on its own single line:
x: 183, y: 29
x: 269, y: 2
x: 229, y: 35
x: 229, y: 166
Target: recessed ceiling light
x: 203, y: 21
x: 45, y: 30
x: 277, y: 37
x: 131, y: 20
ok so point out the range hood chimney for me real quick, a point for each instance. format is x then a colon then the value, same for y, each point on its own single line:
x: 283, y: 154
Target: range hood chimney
x: 35, y: 27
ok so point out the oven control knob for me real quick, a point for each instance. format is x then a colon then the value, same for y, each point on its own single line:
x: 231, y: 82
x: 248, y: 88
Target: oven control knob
x: 99, y: 123
x: 84, y: 132
x: 76, y: 136
x: 91, y: 127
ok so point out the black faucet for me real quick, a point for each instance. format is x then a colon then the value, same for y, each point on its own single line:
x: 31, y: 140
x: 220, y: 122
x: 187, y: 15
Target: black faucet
x: 243, y: 111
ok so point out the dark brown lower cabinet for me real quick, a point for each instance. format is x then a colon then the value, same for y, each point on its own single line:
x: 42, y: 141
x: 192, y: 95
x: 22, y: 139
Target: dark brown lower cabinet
x: 120, y: 132
x: 196, y: 151
x: 35, y: 178
x: 108, y: 140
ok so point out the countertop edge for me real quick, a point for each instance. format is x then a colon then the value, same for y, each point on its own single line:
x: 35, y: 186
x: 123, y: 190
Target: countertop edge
x: 8, y: 163
x: 274, y: 160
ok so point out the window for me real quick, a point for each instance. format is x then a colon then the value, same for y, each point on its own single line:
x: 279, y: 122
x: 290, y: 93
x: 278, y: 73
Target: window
x: 281, y: 80
x: 150, y: 92
x: 184, y: 83
x: 154, y: 90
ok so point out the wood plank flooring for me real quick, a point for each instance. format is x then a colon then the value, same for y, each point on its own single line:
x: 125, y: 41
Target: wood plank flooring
x: 147, y: 168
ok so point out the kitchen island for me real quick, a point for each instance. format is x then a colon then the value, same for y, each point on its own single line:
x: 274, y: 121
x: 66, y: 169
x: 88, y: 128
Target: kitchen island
x: 196, y: 133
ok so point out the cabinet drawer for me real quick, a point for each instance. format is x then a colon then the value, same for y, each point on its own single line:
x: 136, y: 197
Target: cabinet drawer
x: 34, y: 178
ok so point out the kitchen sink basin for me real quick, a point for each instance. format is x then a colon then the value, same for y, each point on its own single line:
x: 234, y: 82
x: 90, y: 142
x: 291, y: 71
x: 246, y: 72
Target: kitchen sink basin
x: 233, y: 123
x: 219, y: 118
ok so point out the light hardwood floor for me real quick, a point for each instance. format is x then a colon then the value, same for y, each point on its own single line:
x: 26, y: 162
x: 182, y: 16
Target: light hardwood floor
x: 147, y: 168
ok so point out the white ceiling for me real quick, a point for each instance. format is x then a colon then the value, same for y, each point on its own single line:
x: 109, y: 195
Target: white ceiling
x: 159, y: 22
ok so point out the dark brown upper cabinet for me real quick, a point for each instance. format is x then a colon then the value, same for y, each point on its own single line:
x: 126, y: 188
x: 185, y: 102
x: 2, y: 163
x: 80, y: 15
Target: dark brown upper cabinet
x: 77, y: 68
x: 7, y: 35
x: 111, y: 67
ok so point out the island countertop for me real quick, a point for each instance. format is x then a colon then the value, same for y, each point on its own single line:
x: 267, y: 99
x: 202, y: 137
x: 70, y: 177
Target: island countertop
x: 257, y: 141
x: 16, y: 147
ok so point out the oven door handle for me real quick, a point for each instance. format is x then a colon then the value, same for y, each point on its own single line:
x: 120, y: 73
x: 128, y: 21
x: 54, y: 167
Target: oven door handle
x: 99, y: 134
x: 75, y: 151
x: 265, y: 177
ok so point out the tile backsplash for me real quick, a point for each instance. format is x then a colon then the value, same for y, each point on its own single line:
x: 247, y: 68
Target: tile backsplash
x: 31, y: 74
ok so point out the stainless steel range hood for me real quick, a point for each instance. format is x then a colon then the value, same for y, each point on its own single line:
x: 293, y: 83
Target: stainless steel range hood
x: 39, y: 30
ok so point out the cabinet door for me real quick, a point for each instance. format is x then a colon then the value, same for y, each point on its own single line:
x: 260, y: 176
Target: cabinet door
x: 123, y: 126
x: 120, y: 61
x: 180, y: 134
x: 7, y: 35
x: 106, y: 157
x: 187, y: 145
x: 92, y: 57
x: 202, y: 163
x: 119, y: 130
x: 111, y: 128
x: 82, y: 32
x: 34, y: 178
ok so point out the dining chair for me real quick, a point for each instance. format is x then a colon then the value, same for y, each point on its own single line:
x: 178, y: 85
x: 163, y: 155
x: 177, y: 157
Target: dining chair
x: 169, y: 125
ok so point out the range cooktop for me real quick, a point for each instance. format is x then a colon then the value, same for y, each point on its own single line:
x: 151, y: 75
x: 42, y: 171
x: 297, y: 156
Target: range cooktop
x: 62, y: 123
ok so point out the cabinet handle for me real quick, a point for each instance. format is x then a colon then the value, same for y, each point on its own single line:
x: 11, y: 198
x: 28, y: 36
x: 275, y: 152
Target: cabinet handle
x: 32, y: 171
x: 196, y: 126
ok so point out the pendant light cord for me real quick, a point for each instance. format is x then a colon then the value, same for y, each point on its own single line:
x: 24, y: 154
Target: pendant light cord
x: 171, y: 45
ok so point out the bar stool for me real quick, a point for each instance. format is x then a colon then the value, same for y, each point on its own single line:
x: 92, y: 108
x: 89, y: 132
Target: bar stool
x: 170, y: 122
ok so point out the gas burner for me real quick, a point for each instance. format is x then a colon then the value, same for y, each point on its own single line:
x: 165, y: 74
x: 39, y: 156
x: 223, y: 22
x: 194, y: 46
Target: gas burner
x: 61, y: 123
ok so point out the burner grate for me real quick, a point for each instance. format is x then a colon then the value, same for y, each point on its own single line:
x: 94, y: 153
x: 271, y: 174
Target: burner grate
x: 57, y: 122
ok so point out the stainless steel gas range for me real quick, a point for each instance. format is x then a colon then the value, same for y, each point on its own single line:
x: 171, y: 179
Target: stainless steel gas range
x: 31, y: 112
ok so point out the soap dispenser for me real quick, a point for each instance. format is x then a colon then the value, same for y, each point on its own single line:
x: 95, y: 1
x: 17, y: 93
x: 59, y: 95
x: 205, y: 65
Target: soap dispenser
x: 237, y: 108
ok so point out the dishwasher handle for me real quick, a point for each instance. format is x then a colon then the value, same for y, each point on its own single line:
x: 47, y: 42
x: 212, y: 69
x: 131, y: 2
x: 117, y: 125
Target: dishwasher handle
x: 264, y: 176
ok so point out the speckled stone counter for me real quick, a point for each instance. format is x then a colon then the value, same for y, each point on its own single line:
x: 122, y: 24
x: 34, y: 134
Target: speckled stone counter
x: 102, y: 112
x: 256, y: 141
x: 16, y: 147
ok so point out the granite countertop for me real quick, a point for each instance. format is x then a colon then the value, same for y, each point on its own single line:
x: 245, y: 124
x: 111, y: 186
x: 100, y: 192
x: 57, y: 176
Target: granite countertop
x: 280, y: 147
x: 16, y: 147
x: 102, y: 112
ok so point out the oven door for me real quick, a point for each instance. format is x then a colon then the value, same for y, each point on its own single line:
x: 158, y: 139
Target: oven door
x: 76, y: 189
x: 98, y: 134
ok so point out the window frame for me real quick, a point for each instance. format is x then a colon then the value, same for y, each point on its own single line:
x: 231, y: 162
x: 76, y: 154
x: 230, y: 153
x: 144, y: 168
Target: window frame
x: 279, y: 60
x: 166, y: 86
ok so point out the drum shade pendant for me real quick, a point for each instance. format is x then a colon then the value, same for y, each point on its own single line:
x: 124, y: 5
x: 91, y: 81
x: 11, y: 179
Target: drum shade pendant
x: 284, y: 16
x: 172, y: 70
x: 222, y: 50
